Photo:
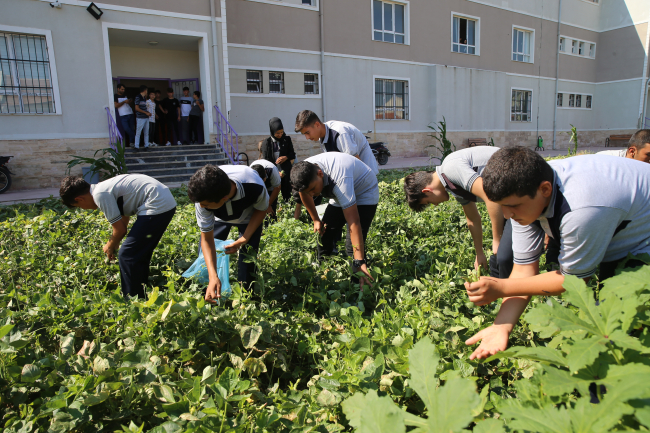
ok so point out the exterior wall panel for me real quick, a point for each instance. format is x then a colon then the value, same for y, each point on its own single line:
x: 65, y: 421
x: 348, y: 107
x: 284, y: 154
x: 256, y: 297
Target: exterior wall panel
x: 141, y: 62
x: 620, y: 53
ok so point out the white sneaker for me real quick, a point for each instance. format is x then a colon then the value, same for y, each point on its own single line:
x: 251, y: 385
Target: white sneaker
x: 179, y: 143
x: 153, y: 145
x: 168, y: 144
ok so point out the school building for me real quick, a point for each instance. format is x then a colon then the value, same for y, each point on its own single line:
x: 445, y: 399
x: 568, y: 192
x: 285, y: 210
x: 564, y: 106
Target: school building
x: 510, y: 70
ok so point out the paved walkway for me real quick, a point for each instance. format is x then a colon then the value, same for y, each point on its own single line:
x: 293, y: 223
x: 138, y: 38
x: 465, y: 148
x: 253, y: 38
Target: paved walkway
x: 34, y: 195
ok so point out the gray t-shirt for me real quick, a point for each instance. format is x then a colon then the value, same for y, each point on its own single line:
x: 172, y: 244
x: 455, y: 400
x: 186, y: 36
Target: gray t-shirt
x: 271, y: 171
x: 599, y: 212
x: 346, y: 138
x: 196, y: 110
x: 186, y: 105
x: 131, y: 194
x: 348, y: 181
x: 251, y: 195
x: 622, y: 152
x: 460, y: 170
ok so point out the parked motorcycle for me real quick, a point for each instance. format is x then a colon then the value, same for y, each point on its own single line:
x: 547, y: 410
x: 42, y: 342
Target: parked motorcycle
x: 380, y: 151
x: 5, y: 174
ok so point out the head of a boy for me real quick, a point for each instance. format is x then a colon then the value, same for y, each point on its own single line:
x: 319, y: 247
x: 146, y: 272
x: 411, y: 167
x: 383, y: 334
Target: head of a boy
x: 152, y: 95
x: 170, y: 93
x: 186, y: 91
x: 143, y: 90
x: 196, y: 95
x: 521, y: 181
x: 121, y: 89
x: 261, y: 171
x: 423, y: 188
x: 158, y: 94
x: 307, y: 178
x: 308, y: 124
x: 639, y: 147
x: 210, y: 186
x: 75, y: 192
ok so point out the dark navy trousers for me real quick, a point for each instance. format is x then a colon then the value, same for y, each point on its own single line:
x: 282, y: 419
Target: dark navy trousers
x: 245, y: 271
x: 137, y: 249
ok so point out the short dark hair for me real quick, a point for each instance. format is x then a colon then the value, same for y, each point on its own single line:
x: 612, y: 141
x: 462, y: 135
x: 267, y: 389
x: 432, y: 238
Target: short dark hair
x: 515, y: 170
x: 186, y: 88
x: 143, y: 87
x: 151, y: 92
x: 640, y: 139
x: 260, y: 170
x: 119, y: 86
x: 302, y: 174
x: 305, y: 118
x: 197, y: 93
x: 71, y: 188
x: 157, y: 91
x: 208, y: 183
x: 170, y: 90
x: 414, y: 183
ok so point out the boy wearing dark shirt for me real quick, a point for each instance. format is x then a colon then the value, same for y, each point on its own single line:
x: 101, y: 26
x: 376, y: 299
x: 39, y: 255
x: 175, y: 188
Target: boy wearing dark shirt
x: 142, y: 117
x: 172, y: 109
x: 186, y: 106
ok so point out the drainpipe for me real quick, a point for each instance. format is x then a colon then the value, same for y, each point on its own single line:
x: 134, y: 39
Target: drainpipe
x: 557, y: 69
x: 645, y: 101
x: 322, y: 59
x: 215, y: 52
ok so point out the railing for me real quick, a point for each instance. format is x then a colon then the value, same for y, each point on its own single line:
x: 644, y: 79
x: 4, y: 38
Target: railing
x: 646, y: 123
x: 226, y: 136
x: 114, y: 135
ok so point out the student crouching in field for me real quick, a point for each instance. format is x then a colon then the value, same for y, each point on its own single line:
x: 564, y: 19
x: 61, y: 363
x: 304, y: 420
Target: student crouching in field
x: 638, y: 148
x: 354, y: 192
x: 595, y: 206
x: 225, y: 197
x: 460, y: 176
x: 118, y: 199
x: 271, y: 177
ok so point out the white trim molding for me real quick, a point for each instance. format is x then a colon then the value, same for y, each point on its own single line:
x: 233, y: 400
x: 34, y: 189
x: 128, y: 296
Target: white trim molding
x: 274, y: 95
x: 477, y: 33
x: 275, y: 68
x: 374, y: 108
x: 54, y: 77
x: 532, y: 42
x: 567, y: 50
x: 583, y: 100
x: 313, y: 7
x: 407, y: 21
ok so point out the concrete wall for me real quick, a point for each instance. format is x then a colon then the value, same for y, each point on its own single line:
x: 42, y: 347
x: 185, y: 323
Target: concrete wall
x: 141, y: 62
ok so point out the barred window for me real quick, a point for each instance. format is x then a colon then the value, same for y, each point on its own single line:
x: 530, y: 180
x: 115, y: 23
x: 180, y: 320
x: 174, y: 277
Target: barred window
x: 559, y: 99
x: 579, y: 101
x: 276, y: 82
x: 588, y: 102
x: 521, y: 106
x: 311, y: 84
x: 254, y: 81
x: 25, y: 77
x: 391, y: 99
x: 572, y: 100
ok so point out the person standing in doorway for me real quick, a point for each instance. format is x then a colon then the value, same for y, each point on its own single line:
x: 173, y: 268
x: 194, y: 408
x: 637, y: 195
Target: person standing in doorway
x: 122, y: 104
x: 196, y: 119
x: 186, y: 106
x: 151, y: 108
x: 278, y: 149
x: 160, y: 116
x: 172, y: 110
x: 142, y: 116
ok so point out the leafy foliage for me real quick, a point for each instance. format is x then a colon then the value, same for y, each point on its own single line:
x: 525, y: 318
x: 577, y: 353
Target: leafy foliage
x: 444, y: 146
x: 110, y: 164
x: 573, y: 138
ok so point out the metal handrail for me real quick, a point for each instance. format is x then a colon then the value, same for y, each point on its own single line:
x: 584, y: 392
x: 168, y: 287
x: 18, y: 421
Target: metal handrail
x: 113, y: 132
x: 646, y: 123
x: 226, y: 135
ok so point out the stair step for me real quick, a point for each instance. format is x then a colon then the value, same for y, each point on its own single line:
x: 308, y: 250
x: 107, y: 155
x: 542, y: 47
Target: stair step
x: 163, y: 148
x: 156, y: 172
x: 177, y: 164
x: 178, y: 151
x: 147, y: 159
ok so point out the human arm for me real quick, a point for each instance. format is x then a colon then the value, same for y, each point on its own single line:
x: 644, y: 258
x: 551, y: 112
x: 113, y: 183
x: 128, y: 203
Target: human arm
x: 120, y: 228
x: 272, y: 198
x: 119, y: 104
x: 178, y: 111
x: 256, y: 220
x: 201, y: 105
x: 475, y: 226
x: 310, y: 206
x: 213, y: 290
x: 139, y: 110
x: 356, y: 238
x: 495, y: 212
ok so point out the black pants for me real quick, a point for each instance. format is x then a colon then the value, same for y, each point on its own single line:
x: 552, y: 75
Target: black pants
x: 152, y: 133
x: 196, y: 129
x: 172, y: 131
x: 245, y: 270
x: 608, y: 269
x: 136, y: 251
x: 501, y: 264
x: 285, y: 186
x: 335, y: 220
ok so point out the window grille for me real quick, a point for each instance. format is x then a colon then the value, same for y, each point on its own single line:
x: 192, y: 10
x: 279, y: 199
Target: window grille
x: 391, y: 99
x: 311, y: 84
x: 520, y: 108
x: 254, y: 81
x: 276, y: 82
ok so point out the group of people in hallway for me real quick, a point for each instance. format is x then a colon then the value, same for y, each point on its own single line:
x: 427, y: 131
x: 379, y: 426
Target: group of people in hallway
x: 587, y: 212
x: 168, y: 121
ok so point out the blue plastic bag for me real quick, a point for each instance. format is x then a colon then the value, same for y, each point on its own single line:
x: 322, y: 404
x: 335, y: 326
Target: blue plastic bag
x: 200, y: 270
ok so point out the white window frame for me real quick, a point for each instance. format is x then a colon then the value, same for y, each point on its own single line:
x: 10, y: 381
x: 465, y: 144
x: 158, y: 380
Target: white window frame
x: 58, y: 110
x: 568, y: 47
x: 407, y: 21
x: 281, y: 82
x: 592, y: 2
x: 477, y: 33
x: 583, y: 100
x: 562, y: 46
x: 532, y: 43
x: 408, y: 106
x: 510, y: 105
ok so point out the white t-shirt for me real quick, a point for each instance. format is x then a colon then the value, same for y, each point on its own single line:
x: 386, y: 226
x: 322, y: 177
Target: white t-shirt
x: 125, y: 109
x: 622, y: 152
x: 350, y: 140
x: 151, y: 107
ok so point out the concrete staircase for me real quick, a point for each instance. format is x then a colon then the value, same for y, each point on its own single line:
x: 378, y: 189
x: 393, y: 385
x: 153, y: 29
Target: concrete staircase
x: 173, y: 164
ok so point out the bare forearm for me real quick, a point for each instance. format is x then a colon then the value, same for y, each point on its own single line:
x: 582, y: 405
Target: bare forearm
x: 274, y: 195
x: 548, y: 284
x: 209, y: 254
x: 308, y: 202
x: 356, y: 237
x: 253, y: 224
x: 510, y: 311
x: 476, y: 230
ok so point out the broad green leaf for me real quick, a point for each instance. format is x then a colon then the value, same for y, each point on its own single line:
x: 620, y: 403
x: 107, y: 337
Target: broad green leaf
x: 372, y: 414
x: 544, y: 420
x: 167, y: 310
x: 423, y: 363
x: 579, y: 295
x: 152, y: 298
x: 584, y: 352
x: 597, y: 418
x: 254, y: 366
x: 175, y: 410
x: 453, y: 404
x: 100, y: 365
x: 489, y: 425
x: 250, y: 335
x: 556, y: 382
x: 165, y: 393
x: 209, y: 375
x: 93, y: 400
x: 642, y: 414
x: 627, y: 285
x: 540, y: 353
x: 326, y: 398
x: 625, y: 341
x: 228, y: 380
x: 167, y: 427
x: 563, y: 318
x: 5, y: 330
x: 67, y: 346
x: 361, y: 344
x: 484, y: 398
x: 30, y: 373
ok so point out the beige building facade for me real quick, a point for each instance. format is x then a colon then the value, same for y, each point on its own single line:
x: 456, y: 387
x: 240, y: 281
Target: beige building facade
x: 507, y: 70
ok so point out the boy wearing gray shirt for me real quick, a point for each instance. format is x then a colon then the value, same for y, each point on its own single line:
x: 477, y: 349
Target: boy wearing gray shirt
x: 186, y: 106
x: 353, y: 191
x: 119, y: 198
x: 597, y: 219
x: 460, y: 176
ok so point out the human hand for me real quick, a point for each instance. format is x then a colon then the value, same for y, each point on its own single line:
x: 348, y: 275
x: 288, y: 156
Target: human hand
x: 179, y: 118
x: 493, y: 339
x: 213, y: 291
x: 109, y: 251
x: 235, y: 246
x: 319, y: 227
x: 269, y: 211
x: 280, y: 160
x: 481, y: 261
x: 484, y: 291
x: 546, y: 239
x: 364, y: 280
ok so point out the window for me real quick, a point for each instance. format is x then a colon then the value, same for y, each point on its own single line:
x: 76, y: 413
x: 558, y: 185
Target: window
x: 391, y: 99
x: 581, y: 49
x: 25, y: 77
x: 578, y: 47
x: 464, y: 35
x: 276, y: 82
x: 522, y: 41
x: 574, y: 47
x: 588, y: 102
x: 578, y: 101
x: 311, y: 84
x: 559, y: 99
x: 388, y: 22
x: 521, y: 105
x: 592, y: 50
x: 572, y: 100
x: 254, y: 81
x: 306, y: 2
x: 562, y: 44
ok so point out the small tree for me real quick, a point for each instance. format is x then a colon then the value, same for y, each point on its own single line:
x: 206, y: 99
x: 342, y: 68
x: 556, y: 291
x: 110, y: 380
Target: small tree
x: 444, y: 146
x: 573, y: 138
x: 110, y: 164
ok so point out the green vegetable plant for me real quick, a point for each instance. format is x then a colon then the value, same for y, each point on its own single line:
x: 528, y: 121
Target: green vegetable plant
x: 110, y: 164
x: 573, y: 138
x: 444, y: 146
